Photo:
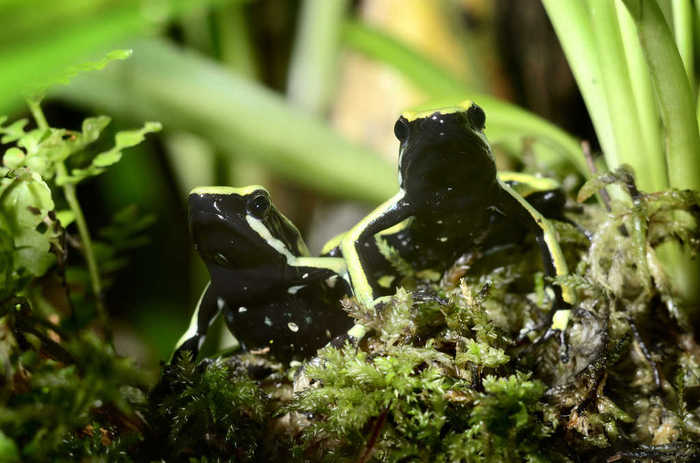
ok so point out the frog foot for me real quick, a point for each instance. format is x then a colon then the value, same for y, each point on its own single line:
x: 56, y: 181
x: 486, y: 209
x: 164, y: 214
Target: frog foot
x: 555, y: 326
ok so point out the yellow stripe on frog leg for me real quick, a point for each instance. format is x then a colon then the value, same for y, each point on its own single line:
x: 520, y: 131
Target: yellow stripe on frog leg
x: 397, y: 228
x: 348, y: 246
x: 192, y: 329
x: 527, y: 184
x: 332, y: 243
x: 549, y: 234
x: 335, y: 264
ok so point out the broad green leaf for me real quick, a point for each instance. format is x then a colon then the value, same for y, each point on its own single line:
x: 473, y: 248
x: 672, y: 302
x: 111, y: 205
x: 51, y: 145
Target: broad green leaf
x: 40, y: 39
x: 24, y: 203
x: 240, y: 118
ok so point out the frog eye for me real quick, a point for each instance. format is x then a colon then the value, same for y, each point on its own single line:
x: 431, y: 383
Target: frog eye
x: 401, y: 129
x: 258, y: 204
x: 476, y: 117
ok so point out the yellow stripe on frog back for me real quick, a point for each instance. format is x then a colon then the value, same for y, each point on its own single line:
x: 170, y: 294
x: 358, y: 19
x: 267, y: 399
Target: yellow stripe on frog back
x: 226, y: 190
x: 443, y: 107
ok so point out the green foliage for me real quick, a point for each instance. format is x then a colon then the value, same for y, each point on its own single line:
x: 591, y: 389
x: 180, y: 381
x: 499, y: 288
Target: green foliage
x: 50, y: 397
x: 211, y: 409
x: 66, y: 395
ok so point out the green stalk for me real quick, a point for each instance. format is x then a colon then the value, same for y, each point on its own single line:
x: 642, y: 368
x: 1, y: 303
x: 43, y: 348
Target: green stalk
x: 683, y: 31
x: 84, y: 232
x: 572, y: 24
x: 676, y: 100
x: 677, y: 107
x: 312, y: 68
x: 628, y: 135
x: 235, y: 47
x: 504, y: 121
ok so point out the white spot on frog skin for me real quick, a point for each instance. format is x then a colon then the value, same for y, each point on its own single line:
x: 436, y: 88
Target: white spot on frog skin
x: 220, y: 303
x: 443, y: 238
x: 268, y: 322
x: 293, y: 327
x: 294, y: 289
x: 439, y: 222
x: 242, y: 309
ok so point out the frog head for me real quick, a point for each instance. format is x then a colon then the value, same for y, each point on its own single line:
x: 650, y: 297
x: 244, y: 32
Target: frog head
x: 444, y: 150
x: 239, y: 229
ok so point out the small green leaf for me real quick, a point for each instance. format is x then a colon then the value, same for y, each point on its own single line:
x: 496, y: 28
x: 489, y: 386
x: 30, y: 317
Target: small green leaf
x: 124, y: 139
x: 72, y: 71
x: 13, y: 132
x: 65, y: 217
x: 92, y: 127
x: 481, y: 354
x: 13, y: 158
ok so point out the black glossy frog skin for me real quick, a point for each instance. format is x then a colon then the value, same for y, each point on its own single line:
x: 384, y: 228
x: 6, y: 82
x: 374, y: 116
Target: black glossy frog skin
x: 272, y: 294
x: 450, y: 202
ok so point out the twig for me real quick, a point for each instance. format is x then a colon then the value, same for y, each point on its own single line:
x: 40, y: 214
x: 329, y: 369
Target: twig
x: 378, y: 425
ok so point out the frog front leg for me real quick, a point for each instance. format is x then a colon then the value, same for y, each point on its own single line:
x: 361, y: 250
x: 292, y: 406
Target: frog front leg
x: 387, y: 214
x: 204, y: 315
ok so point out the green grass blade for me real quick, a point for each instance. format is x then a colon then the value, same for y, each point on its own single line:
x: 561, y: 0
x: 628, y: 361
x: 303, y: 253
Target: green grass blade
x: 617, y: 85
x: 572, y: 24
x: 676, y: 100
x: 188, y: 92
x: 643, y: 90
x: 503, y: 120
x: 683, y: 31
x: 40, y: 38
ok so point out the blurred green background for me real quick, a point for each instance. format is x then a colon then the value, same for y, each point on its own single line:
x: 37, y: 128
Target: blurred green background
x: 300, y: 96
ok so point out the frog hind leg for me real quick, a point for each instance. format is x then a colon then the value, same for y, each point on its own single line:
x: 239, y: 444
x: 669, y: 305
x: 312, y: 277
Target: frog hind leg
x: 553, y: 261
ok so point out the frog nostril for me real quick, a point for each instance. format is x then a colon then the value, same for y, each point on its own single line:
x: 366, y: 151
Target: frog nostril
x: 476, y: 117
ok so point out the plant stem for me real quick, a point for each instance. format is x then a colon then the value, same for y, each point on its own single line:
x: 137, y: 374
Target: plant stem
x: 313, y: 64
x: 84, y: 232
